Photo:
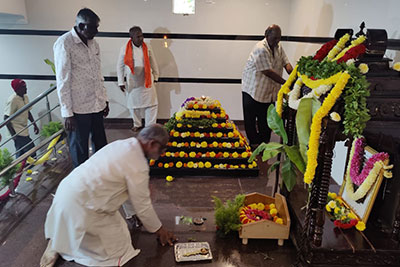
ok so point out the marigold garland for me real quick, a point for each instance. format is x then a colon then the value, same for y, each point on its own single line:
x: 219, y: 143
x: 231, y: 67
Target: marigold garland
x: 285, y: 89
x: 339, y: 46
x: 354, y: 43
x: 316, y: 83
x: 323, y: 111
x: 324, y: 50
x: 352, y: 53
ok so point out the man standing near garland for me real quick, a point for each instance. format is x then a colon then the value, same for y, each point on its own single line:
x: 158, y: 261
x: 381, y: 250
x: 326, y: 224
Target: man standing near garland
x: 82, y: 95
x: 137, y: 62
x: 261, y: 80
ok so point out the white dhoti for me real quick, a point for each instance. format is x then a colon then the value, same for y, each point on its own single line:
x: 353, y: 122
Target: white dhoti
x: 84, y: 222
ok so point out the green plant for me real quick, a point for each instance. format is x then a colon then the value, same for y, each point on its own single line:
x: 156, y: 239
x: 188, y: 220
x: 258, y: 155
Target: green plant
x: 227, y: 216
x: 53, y: 68
x: 5, y: 161
x: 291, y: 154
x: 51, y: 128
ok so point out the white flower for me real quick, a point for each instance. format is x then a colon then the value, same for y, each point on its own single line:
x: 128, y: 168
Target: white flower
x: 350, y: 61
x: 335, y: 116
x: 363, y: 68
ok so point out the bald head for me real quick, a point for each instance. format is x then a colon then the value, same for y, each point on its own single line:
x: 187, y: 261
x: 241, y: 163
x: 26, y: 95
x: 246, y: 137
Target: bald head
x: 273, y: 35
x: 153, y: 132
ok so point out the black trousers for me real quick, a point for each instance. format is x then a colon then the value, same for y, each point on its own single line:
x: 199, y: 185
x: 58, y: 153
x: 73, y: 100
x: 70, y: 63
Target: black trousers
x: 255, y: 120
x: 90, y: 124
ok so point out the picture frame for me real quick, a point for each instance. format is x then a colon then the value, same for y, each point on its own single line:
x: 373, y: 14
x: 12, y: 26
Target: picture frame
x: 362, y: 209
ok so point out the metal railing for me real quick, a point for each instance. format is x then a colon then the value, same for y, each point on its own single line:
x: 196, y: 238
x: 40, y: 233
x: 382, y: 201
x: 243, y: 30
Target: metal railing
x: 36, y: 148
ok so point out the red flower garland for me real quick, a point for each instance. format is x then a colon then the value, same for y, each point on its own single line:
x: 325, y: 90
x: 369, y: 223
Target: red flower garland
x: 324, y: 50
x: 348, y: 225
x: 354, y: 52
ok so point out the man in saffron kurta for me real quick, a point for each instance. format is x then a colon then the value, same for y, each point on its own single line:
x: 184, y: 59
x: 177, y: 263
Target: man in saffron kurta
x: 137, y: 63
x: 84, y: 223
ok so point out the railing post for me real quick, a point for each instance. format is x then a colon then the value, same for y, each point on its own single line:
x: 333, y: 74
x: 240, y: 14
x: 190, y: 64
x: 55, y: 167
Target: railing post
x: 48, y: 108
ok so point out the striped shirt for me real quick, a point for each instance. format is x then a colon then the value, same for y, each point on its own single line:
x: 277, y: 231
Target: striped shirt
x: 260, y: 87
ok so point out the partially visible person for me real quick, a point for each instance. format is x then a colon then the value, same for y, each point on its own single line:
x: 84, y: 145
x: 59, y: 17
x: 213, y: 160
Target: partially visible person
x: 84, y: 223
x: 137, y: 63
x: 261, y: 81
x: 17, y: 127
x: 82, y: 95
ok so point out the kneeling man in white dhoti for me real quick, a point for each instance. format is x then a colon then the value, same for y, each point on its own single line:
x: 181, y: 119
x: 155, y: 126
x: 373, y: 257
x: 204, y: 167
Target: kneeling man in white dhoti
x: 84, y: 223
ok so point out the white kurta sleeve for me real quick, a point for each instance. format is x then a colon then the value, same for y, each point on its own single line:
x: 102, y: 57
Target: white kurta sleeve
x: 153, y: 64
x: 121, y: 66
x: 62, y: 62
x: 139, y: 194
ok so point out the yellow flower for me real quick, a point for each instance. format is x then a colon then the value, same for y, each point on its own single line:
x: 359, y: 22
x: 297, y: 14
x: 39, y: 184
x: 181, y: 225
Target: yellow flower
x: 192, y: 144
x: 396, y: 66
x: 208, y: 164
x: 279, y: 221
x: 169, y: 178
x: 254, y: 164
x: 179, y: 164
x: 343, y: 218
x: 332, y: 195
x: 245, y: 155
x: 273, y: 212
x: 204, y: 106
x: 195, y: 106
x: 336, y: 210
x: 179, y: 125
x: 166, y: 165
x: 235, y: 155
x: 174, y: 143
x: 335, y: 116
x: 285, y: 90
x: 226, y: 154
x: 243, y: 166
x: 328, y: 209
x: 332, y: 204
x: 212, y: 154
x: 215, y: 144
x: 260, y: 206
x: 182, y: 154
x: 228, y: 145
x: 192, y: 154
x: 201, y: 164
x: 271, y: 206
x: 214, y: 125
x: 204, y: 144
x: 223, y: 125
x: 216, y: 166
x: 363, y: 68
x: 236, y: 144
x: 28, y: 179
x: 196, y: 134
x: 352, y: 215
x: 189, y: 126
x: 230, y: 134
x: 360, y: 226
x: 29, y: 171
x: 190, y: 164
x: 224, y: 144
x: 176, y: 134
x: 219, y: 134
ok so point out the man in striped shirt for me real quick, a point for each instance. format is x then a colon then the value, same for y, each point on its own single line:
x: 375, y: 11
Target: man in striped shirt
x: 261, y: 80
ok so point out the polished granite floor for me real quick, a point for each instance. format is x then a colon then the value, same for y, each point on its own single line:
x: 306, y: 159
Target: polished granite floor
x: 185, y: 196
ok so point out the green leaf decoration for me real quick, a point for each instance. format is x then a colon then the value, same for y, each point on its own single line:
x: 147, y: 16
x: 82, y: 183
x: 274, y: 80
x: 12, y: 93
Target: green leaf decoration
x: 288, y: 174
x: 227, y: 216
x: 273, y: 167
x: 294, y: 155
x: 51, y: 64
x: 315, y: 105
x: 269, y: 154
x: 276, y: 123
x: 303, y: 124
x: 5, y: 160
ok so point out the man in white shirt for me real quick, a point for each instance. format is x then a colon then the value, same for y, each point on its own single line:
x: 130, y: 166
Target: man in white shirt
x: 84, y: 223
x: 18, y: 126
x: 82, y: 95
x: 137, y: 62
x: 261, y: 80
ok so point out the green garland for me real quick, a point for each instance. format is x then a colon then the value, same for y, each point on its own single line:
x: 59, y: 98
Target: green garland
x: 196, y: 123
x: 51, y: 128
x: 227, y: 216
x: 356, y: 113
x: 5, y: 160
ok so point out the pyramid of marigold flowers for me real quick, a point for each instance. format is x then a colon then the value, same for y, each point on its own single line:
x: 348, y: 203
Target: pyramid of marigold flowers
x: 203, y: 141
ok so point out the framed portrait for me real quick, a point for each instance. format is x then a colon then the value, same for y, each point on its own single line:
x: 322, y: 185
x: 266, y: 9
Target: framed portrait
x: 360, y: 199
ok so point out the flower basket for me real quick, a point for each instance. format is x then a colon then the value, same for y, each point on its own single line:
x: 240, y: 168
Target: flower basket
x: 266, y: 229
